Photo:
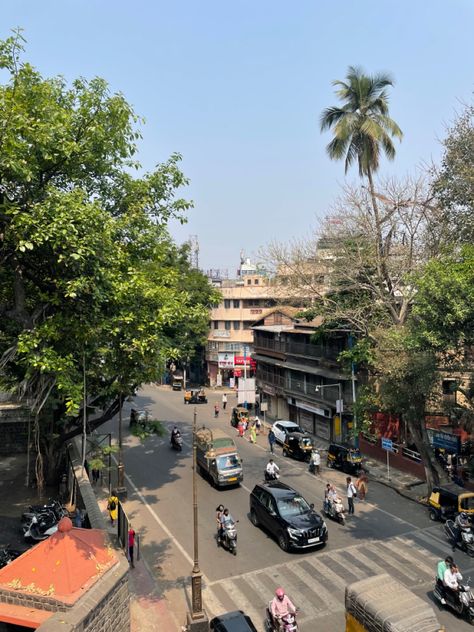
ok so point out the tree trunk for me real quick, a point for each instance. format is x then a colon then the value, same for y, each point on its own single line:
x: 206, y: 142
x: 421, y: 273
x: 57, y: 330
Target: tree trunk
x: 381, y: 267
x: 433, y: 470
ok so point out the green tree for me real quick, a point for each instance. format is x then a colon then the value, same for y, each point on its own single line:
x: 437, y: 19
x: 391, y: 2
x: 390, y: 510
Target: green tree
x: 89, y: 276
x: 363, y: 130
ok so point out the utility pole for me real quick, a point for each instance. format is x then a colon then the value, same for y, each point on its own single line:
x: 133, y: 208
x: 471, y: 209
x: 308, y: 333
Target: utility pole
x: 121, y: 489
x: 197, y: 620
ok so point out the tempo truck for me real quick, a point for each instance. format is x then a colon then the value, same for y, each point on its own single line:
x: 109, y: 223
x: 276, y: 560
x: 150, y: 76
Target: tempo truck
x: 217, y: 457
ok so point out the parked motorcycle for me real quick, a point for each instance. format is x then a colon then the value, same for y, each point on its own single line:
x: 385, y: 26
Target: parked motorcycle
x: 35, y: 510
x: 177, y: 442
x: 461, y: 603
x: 41, y: 527
x: 334, y: 509
x: 466, y: 543
x: 228, y: 538
x: 286, y: 624
x: 7, y: 555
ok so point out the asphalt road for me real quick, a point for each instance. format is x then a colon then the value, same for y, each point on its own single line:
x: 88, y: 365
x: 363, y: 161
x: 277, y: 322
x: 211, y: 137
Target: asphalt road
x: 387, y: 534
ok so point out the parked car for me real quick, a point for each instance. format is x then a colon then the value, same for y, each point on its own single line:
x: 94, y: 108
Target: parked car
x: 284, y: 428
x: 284, y: 513
x: 235, y: 621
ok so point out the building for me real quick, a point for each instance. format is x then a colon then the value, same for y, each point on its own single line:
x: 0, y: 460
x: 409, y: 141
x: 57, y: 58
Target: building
x: 301, y: 380
x: 230, y: 340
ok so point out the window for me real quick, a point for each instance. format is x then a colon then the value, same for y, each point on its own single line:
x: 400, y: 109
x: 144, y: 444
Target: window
x: 227, y: 324
x: 236, y: 324
x: 449, y: 387
x: 216, y: 324
x: 255, y: 282
x: 227, y: 303
x: 236, y: 303
x: 249, y: 281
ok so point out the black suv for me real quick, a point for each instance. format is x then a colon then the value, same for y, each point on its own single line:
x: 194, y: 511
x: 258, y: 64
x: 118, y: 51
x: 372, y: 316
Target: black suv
x: 286, y: 515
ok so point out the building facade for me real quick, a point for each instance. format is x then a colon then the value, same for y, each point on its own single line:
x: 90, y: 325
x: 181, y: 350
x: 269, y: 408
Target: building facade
x: 301, y: 380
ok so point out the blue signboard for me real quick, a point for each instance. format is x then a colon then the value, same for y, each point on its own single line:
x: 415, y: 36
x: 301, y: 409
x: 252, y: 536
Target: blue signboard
x: 446, y: 441
x: 387, y: 444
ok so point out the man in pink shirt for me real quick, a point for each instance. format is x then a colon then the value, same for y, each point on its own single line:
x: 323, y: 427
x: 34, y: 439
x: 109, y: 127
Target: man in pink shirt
x: 281, y: 604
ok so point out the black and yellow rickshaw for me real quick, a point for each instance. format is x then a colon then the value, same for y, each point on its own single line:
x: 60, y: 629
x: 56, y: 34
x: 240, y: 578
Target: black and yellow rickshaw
x: 195, y: 397
x: 239, y: 413
x: 446, y: 501
x: 344, y: 457
x: 298, y: 446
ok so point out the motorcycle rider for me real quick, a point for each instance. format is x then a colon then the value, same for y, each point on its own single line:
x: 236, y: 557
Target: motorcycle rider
x: 440, y: 570
x: 226, y: 521
x: 175, y: 433
x: 271, y: 471
x: 451, y: 580
x: 281, y: 606
x: 462, y: 523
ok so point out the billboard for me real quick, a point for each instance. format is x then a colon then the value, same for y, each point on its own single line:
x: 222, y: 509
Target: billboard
x: 225, y: 360
x: 246, y: 390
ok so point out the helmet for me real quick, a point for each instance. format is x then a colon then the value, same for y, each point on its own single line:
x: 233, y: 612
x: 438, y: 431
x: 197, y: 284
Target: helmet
x: 280, y: 593
x: 463, y: 515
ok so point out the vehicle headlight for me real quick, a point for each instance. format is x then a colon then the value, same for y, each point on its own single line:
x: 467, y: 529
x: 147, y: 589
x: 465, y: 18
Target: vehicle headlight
x: 293, y: 533
x: 323, y: 526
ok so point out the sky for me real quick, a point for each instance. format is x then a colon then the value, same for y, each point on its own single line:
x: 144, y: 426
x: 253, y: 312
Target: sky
x: 237, y: 87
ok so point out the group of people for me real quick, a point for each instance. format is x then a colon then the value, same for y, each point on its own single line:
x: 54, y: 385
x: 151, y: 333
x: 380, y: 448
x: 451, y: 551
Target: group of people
x: 448, y: 578
x: 223, y: 520
x: 253, y: 426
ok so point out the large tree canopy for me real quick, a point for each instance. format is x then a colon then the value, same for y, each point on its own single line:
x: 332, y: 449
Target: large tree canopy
x: 89, y: 276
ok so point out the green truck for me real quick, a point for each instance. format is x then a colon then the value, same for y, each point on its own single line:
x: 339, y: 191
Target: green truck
x: 217, y: 457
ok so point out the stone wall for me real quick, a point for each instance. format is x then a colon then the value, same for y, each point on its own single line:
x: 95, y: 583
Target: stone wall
x: 14, y: 420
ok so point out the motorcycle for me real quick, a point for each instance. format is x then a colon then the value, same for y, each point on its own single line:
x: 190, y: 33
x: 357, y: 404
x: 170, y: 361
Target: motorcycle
x: 334, y: 509
x: 287, y: 623
x: 271, y: 477
x: 41, y: 527
x: 177, y: 442
x: 36, y: 510
x: 466, y: 543
x: 228, y: 538
x: 7, y: 555
x: 461, y: 603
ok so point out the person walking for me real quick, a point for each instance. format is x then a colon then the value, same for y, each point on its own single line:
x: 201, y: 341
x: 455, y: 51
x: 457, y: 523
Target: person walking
x: 216, y: 410
x: 271, y: 440
x: 315, y: 462
x: 258, y: 424
x: 131, y: 545
x: 112, y: 506
x: 362, y: 484
x: 224, y: 401
x: 95, y: 476
x: 241, y: 428
x: 351, y: 494
x: 253, y: 434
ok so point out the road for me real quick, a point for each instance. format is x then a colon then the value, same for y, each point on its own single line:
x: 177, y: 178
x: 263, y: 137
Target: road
x: 387, y: 534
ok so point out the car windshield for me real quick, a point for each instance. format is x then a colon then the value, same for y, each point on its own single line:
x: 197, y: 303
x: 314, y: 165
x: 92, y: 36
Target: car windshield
x: 468, y: 502
x: 305, y: 442
x: 293, y: 429
x: 228, y: 462
x: 292, y: 506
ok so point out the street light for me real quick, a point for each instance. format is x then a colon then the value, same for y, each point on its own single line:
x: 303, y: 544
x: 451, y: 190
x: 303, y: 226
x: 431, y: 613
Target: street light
x: 197, y: 620
x: 339, y: 402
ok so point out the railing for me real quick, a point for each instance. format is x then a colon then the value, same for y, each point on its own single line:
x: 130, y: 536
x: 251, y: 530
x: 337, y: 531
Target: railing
x: 296, y: 348
x: 397, y: 448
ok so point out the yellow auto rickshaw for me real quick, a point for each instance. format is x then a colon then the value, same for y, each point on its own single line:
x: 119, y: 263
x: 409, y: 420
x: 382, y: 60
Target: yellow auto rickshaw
x: 239, y: 413
x: 195, y: 397
x: 446, y: 501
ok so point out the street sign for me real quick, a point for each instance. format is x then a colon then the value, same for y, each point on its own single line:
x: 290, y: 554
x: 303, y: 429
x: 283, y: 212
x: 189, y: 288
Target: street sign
x: 387, y: 444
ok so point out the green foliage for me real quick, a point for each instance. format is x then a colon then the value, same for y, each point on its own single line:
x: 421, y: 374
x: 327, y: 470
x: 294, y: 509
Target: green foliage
x: 148, y: 428
x: 89, y: 276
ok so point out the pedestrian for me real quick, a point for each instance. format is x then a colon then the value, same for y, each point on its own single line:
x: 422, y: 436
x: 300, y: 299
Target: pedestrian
x: 224, y: 401
x: 241, y: 428
x: 253, y: 434
x: 258, y: 424
x: 219, y: 512
x: 112, y: 506
x: 131, y: 544
x: 351, y: 494
x: 327, y: 491
x: 271, y: 440
x: 315, y: 462
x: 95, y: 475
x: 216, y: 410
x: 362, y: 484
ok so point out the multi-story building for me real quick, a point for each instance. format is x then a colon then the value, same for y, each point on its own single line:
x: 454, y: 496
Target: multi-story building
x: 301, y: 380
x: 230, y: 340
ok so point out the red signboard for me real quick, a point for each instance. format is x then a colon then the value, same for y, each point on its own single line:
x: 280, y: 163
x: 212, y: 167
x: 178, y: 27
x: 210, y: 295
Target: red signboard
x: 247, y: 360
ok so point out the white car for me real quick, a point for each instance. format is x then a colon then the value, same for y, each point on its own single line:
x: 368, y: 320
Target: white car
x: 282, y: 428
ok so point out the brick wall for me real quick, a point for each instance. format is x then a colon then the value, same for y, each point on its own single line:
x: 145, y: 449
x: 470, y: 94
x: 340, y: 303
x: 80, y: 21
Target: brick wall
x: 397, y: 461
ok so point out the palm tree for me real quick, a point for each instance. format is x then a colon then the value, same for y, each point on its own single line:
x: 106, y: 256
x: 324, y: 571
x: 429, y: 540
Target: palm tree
x: 362, y: 129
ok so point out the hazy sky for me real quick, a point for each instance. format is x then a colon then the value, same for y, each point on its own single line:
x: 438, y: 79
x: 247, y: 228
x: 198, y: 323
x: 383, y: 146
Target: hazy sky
x: 237, y: 87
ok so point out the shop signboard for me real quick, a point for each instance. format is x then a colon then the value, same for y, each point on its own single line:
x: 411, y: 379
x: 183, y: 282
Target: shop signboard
x: 245, y: 360
x: 446, y: 441
x: 226, y: 360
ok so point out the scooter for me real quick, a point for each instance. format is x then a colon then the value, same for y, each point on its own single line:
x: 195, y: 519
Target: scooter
x: 287, y: 623
x: 466, y: 543
x: 271, y: 477
x: 36, y: 510
x: 7, y: 555
x: 228, y: 539
x: 334, y: 509
x: 462, y: 603
x: 41, y: 527
x: 177, y: 442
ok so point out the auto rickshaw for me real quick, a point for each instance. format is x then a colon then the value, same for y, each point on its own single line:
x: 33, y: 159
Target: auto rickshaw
x: 298, y: 446
x: 195, y: 397
x: 446, y: 501
x: 139, y: 417
x: 238, y: 413
x: 344, y: 457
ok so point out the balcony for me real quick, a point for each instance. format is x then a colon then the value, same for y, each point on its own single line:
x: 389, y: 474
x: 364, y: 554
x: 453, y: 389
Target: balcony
x: 306, y: 386
x: 292, y: 347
